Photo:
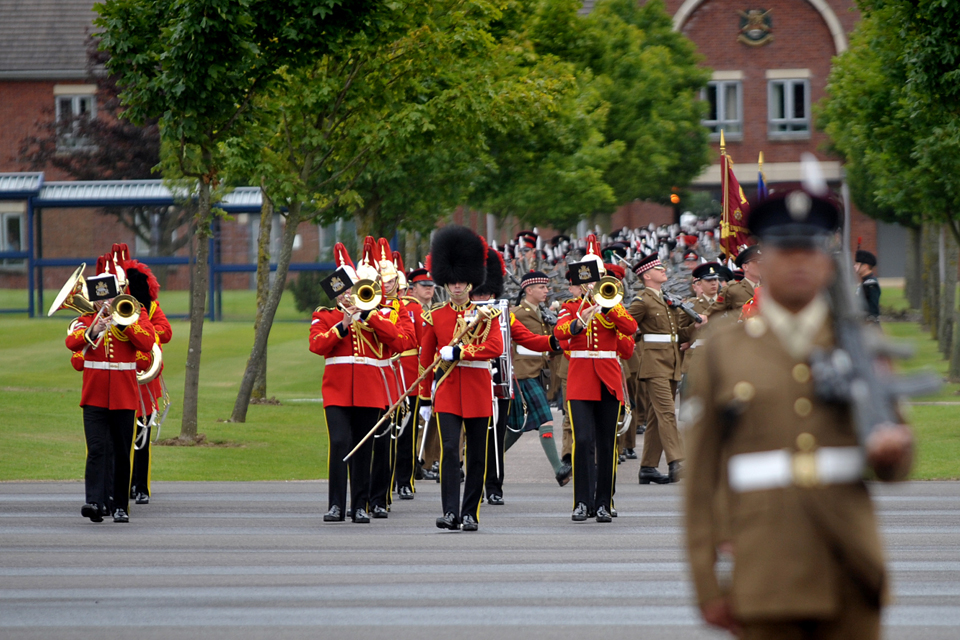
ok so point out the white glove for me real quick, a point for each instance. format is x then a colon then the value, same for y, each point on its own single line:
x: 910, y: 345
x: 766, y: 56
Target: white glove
x: 425, y: 413
x: 446, y: 353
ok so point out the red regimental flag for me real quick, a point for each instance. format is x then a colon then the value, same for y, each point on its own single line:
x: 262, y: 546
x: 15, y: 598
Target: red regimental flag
x: 736, y: 210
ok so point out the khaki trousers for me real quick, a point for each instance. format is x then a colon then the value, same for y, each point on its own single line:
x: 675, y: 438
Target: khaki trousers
x: 661, y: 434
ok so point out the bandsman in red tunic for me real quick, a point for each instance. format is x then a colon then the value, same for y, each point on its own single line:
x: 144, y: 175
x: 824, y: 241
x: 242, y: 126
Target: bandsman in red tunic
x: 404, y: 470
x: 145, y: 288
x: 356, y: 354
x: 463, y: 398
x: 379, y: 255
x: 595, y: 340
x: 110, y: 397
x: 422, y: 290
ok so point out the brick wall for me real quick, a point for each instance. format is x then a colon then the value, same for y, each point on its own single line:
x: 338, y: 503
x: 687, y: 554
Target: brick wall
x: 22, y: 105
x: 641, y: 213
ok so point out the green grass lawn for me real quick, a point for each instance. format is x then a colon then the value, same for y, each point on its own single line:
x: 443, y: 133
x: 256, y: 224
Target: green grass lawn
x: 41, y: 431
x: 41, y: 428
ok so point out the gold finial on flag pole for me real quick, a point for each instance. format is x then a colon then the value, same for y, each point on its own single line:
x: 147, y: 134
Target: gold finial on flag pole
x: 760, y: 162
x: 723, y: 144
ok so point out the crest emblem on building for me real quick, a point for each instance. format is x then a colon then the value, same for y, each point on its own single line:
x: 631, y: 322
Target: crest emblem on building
x: 756, y: 27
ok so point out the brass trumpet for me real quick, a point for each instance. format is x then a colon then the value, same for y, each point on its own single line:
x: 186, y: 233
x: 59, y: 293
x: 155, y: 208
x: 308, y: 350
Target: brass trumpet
x: 366, y: 295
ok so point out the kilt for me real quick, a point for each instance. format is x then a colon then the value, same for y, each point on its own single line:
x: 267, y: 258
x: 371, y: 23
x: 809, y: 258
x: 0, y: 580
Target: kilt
x: 537, y: 406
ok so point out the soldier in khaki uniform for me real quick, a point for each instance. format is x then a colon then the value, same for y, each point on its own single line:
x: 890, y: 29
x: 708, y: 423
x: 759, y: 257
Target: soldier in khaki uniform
x: 775, y: 474
x: 739, y: 293
x: 662, y: 329
x: 708, y: 276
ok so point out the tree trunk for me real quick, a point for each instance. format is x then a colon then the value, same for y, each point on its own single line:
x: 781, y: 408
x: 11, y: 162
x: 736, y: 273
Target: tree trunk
x: 930, y: 305
x: 368, y: 223
x: 913, y: 280
x: 948, y: 287
x: 262, y: 332
x: 198, y: 297
x: 259, y: 391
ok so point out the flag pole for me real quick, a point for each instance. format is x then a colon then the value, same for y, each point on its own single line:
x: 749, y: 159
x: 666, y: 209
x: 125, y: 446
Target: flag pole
x: 724, y: 220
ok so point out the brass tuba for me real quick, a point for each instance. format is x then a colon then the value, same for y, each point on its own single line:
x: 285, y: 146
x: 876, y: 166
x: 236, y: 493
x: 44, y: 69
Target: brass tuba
x: 126, y: 310
x: 366, y: 295
x: 73, y: 295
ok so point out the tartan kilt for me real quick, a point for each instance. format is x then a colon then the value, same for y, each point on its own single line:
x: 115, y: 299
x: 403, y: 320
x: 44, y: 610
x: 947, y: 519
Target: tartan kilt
x: 538, y: 408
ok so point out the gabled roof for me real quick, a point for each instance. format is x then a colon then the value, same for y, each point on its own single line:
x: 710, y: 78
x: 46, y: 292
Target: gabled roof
x: 45, y: 39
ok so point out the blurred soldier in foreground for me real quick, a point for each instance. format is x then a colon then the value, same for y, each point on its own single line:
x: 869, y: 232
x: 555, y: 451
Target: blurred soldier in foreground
x: 775, y: 473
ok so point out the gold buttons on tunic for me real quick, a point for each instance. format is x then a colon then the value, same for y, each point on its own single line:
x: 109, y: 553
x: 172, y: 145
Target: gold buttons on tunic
x: 755, y: 327
x: 803, y: 407
x: 806, y: 442
x: 744, y: 391
x: 801, y: 373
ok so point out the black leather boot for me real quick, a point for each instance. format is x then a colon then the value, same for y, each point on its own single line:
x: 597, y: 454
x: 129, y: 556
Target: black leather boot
x: 650, y: 475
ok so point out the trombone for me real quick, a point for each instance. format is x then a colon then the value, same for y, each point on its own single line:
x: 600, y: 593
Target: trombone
x: 606, y: 292
x: 366, y: 295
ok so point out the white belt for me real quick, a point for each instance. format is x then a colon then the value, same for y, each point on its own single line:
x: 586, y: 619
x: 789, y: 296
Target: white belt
x: 474, y: 364
x: 523, y: 351
x: 782, y: 468
x: 112, y: 366
x: 697, y: 343
x: 594, y: 354
x: 659, y: 337
x: 357, y: 360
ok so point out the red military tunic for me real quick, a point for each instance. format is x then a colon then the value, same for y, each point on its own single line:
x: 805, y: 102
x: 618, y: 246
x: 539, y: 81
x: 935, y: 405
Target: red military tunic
x: 109, y: 371
x: 357, y: 361
x: 610, y: 334
x: 526, y: 338
x: 410, y: 357
x: 394, y: 310
x: 468, y: 390
x: 152, y: 390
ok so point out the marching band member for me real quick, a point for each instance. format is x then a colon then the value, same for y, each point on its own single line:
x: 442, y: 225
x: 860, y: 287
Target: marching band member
x: 110, y: 396
x: 463, y: 399
x: 422, y: 289
x: 595, y: 340
x: 144, y: 287
x: 404, y: 470
x: 530, y: 410
x: 662, y: 329
x: 379, y: 256
x: 354, y: 346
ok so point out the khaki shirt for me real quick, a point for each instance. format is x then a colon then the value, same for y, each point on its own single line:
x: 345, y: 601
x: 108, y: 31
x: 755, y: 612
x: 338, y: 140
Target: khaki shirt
x: 735, y: 295
x: 654, y: 317
x: 527, y: 366
x: 749, y: 394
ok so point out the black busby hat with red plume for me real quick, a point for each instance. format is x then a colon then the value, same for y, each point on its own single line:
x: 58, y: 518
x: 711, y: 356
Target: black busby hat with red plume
x: 457, y: 254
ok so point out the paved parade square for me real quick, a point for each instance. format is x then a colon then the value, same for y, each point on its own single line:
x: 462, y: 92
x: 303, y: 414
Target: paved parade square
x: 254, y: 560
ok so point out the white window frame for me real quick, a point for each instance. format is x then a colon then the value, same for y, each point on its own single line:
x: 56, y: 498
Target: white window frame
x: 732, y: 126
x: 9, y: 263
x: 69, y: 141
x: 796, y: 128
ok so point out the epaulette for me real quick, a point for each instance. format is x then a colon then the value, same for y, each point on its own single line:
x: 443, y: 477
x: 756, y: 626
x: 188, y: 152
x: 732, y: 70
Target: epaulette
x: 323, y: 308
x: 410, y: 299
x: 427, y: 315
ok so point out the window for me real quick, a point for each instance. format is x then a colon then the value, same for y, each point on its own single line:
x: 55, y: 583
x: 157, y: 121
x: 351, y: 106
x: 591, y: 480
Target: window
x: 724, y: 99
x: 789, y: 108
x: 12, y: 236
x: 71, y: 111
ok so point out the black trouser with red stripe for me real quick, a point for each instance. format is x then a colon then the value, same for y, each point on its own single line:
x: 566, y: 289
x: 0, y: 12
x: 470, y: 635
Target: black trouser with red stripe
x: 594, y: 424
x: 495, y: 448
x: 475, y: 435
x: 346, y: 426
x: 109, y: 435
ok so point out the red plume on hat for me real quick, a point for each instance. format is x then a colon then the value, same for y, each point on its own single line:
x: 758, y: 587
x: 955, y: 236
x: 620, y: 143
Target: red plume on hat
x: 593, y: 247
x: 340, y: 256
x: 367, y: 264
x: 102, y: 265
x: 398, y: 262
x: 121, y: 252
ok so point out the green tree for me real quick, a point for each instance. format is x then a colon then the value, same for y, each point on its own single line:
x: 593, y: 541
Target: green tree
x: 195, y: 66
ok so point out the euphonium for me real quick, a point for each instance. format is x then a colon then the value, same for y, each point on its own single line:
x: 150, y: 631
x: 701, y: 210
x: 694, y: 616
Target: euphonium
x: 125, y: 310
x: 73, y: 295
x: 156, y: 360
x: 366, y: 295
x: 608, y: 293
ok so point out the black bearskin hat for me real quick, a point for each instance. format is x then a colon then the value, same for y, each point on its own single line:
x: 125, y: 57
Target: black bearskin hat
x: 141, y: 282
x: 495, y: 271
x: 457, y: 254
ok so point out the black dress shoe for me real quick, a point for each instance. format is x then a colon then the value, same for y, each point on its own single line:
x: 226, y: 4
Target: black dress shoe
x: 630, y: 453
x: 92, y: 511
x: 380, y: 512
x: 120, y: 516
x: 429, y: 474
x: 448, y: 521
x: 613, y: 512
x: 641, y: 428
x: 675, y: 471
x: 564, y: 474
x: 495, y: 499
x: 603, y: 515
x: 334, y: 515
x: 142, y: 498
x: 579, y: 513
x: 405, y: 493
x: 360, y: 516
x: 650, y: 475
x: 133, y: 491
x: 621, y: 458
x: 469, y: 523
